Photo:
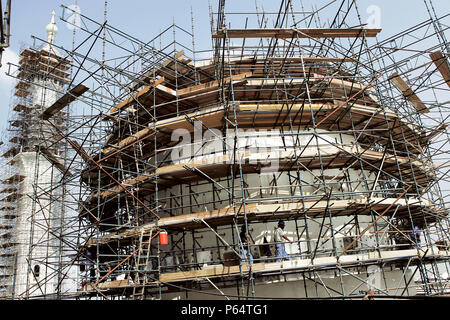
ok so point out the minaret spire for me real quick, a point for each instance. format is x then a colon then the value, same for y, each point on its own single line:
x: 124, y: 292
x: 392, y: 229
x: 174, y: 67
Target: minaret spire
x: 51, y: 29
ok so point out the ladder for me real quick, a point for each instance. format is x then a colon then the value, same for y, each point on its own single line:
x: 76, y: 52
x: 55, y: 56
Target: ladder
x: 143, y: 266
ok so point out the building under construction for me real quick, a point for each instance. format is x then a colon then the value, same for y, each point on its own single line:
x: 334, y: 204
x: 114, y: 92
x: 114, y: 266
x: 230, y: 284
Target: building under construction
x: 133, y: 175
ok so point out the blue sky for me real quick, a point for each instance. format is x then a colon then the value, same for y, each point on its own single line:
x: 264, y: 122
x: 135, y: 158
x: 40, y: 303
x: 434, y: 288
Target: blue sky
x: 145, y: 18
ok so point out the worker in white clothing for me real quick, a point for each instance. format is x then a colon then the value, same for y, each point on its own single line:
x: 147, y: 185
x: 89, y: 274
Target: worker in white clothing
x: 280, y: 234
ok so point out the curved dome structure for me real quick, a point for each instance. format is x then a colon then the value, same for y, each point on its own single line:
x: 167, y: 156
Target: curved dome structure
x: 297, y: 158
x: 294, y: 138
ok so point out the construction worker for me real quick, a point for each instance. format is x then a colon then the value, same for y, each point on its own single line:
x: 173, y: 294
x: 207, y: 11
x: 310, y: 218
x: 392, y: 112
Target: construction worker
x: 414, y: 235
x: 369, y: 295
x: 279, y: 235
x: 417, y: 235
x: 90, y: 265
x: 245, y: 242
x: 112, y: 275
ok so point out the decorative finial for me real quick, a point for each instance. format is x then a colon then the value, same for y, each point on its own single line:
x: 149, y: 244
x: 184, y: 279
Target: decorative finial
x: 51, y: 29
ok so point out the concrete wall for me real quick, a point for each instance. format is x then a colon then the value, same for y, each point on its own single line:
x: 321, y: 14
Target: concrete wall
x: 37, y: 216
x: 293, y: 286
x: 271, y: 183
x: 39, y: 223
x: 199, y: 196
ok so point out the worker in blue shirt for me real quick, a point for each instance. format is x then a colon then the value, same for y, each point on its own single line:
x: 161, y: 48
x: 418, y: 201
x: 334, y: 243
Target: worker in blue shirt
x: 415, y: 236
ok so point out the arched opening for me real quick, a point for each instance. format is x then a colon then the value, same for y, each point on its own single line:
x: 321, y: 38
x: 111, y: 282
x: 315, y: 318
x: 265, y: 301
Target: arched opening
x: 36, y: 271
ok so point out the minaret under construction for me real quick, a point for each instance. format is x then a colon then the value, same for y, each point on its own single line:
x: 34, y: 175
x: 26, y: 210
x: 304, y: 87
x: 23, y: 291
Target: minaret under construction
x: 32, y: 205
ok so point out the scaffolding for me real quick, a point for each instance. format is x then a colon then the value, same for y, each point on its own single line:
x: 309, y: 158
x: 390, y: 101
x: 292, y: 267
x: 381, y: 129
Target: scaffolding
x: 33, y: 197
x: 319, y: 124
x: 5, y: 27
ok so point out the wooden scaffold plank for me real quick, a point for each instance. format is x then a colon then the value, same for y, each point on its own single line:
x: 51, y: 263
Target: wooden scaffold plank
x: 69, y: 97
x: 136, y: 96
x: 442, y: 65
x: 148, y: 76
x: 294, y: 32
x: 408, y: 93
